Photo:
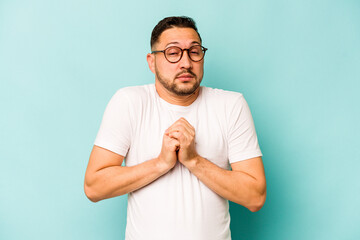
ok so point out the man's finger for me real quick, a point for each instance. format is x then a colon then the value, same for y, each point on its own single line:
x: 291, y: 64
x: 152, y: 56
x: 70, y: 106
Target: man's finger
x: 176, y: 135
x: 175, y: 144
x: 181, y: 127
x: 186, y: 122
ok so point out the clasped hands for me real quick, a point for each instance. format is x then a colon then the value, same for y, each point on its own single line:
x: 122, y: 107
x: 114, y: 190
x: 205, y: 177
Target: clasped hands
x: 178, y: 144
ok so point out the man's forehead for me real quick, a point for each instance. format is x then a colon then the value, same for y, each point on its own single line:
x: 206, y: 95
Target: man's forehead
x: 178, y: 36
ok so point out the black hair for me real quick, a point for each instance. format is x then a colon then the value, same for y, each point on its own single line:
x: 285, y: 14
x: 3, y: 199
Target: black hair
x: 170, y: 22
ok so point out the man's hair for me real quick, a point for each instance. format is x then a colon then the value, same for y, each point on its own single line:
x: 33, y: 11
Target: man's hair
x: 170, y: 22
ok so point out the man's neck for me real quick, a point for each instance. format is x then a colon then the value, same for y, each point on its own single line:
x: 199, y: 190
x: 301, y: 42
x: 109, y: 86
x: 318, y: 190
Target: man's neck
x: 174, y: 99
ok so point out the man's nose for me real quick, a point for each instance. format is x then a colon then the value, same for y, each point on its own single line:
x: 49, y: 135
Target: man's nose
x: 185, y: 61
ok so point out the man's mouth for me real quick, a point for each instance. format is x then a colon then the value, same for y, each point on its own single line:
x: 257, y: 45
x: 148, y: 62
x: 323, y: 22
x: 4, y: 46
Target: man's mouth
x: 185, y: 77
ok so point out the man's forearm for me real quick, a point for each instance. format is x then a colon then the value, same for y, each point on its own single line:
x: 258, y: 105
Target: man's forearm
x: 115, y: 181
x: 236, y: 186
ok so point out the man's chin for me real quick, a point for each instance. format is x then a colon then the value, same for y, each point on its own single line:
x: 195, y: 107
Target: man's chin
x: 185, y: 90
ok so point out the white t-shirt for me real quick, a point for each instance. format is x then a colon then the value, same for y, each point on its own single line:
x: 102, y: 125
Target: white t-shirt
x: 178, y: 206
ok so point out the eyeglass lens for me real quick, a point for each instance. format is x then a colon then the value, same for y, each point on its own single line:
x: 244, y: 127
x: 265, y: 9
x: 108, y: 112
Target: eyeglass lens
x: 174, y: 54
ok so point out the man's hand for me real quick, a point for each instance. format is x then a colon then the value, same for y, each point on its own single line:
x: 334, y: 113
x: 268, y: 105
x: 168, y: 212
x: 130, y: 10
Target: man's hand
x: 168, y: 154
x: 184, y: 133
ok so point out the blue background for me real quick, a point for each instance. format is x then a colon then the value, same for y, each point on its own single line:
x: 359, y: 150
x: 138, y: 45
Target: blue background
x: 296, y: 62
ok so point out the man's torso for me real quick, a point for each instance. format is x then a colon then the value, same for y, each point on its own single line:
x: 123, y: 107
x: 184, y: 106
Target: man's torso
x: 177, y: 205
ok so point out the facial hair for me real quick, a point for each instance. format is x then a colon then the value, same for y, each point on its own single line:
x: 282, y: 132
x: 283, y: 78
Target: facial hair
x: 173, y: 87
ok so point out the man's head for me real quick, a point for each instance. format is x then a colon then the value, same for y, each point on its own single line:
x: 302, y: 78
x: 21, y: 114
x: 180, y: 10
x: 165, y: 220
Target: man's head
x: 183, y: 75
x: 171, y: 22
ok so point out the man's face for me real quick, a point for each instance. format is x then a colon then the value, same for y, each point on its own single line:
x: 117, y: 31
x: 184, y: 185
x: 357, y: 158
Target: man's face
x: 184, y: 77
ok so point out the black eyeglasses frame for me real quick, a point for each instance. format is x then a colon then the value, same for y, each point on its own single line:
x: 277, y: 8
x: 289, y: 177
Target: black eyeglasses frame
x: 204, y: 49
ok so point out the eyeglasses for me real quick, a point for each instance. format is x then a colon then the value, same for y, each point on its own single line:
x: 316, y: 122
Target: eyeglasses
x: 174, y: 54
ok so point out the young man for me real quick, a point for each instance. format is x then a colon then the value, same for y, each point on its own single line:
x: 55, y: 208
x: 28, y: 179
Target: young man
x: 179, y: 141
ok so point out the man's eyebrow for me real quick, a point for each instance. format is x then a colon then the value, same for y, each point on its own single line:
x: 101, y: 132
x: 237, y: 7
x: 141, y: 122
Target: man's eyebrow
x: 171, y: 43
x: 196, y: 42
x: 193, y: 42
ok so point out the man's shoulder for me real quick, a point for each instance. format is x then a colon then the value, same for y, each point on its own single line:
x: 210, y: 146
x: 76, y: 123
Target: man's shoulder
x: 135, y: 96
x: 217, y: 94
x: 135, y: 90
x: 134, y: 93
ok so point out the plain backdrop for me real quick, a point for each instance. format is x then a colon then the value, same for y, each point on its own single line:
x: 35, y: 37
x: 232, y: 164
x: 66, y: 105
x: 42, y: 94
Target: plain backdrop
x: 296, y: 62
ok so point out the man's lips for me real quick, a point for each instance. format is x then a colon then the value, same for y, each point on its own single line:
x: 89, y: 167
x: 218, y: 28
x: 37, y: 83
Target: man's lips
x: 185, y: 77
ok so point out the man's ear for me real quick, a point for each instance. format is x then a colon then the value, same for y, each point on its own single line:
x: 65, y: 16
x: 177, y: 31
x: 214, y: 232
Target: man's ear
x: 150, y: 58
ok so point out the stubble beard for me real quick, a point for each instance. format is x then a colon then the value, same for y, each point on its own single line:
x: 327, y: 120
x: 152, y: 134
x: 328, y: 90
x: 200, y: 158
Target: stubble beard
x: 173, y: 87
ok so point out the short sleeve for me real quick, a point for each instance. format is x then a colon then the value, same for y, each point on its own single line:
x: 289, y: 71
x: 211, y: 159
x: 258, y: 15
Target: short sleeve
x: 242, y: 138
x: 115, y: 129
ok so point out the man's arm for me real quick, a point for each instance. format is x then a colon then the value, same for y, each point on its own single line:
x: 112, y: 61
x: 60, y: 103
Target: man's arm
x: 245, y: 184
x: 106, y: 178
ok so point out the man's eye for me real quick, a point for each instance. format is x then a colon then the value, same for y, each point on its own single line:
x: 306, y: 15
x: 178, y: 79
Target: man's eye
x: 173, y: 53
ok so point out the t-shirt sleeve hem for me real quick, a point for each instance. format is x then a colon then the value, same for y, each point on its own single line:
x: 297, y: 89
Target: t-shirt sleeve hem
x: 245, y: 156
x: 112, y: 148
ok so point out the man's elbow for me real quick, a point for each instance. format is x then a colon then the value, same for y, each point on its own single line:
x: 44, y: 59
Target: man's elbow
x: 258, y: 203
x: 91, y: 194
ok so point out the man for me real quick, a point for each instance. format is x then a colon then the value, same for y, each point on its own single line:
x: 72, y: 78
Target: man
x: 179, y: 140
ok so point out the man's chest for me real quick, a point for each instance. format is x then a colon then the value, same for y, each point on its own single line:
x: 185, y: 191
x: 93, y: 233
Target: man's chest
x: 210, y: 135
